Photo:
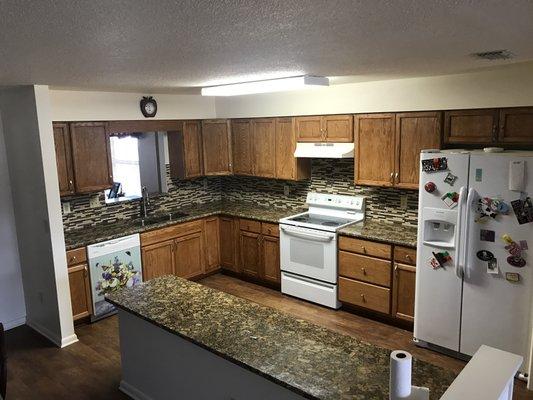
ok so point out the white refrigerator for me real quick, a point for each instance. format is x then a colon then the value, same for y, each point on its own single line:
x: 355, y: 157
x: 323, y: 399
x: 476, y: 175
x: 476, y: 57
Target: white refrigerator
x: 474, y: 269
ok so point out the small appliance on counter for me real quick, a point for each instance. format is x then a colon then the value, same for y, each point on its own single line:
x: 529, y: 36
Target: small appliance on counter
x: 113, y: 264
x: 474, y: 276
x: 308, y: 246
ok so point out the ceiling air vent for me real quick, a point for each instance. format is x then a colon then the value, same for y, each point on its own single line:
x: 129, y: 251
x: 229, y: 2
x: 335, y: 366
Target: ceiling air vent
x: 494, y: 55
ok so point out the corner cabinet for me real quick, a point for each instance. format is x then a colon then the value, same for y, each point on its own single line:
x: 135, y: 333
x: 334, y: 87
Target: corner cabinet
x: 185, y: 151
x: 91, y: 156
x: 216, y: 144
x: 325, y: 128
x: 388, y: 146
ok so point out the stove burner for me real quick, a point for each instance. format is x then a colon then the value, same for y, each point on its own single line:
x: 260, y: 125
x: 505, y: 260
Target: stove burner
x: 330, y: 223
x: 301, y: 219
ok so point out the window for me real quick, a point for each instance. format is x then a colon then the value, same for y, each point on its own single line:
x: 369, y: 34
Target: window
x: 126, y: 171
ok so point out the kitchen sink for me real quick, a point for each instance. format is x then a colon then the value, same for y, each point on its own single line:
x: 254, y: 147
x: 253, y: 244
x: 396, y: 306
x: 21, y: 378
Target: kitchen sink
x: 158, y: 218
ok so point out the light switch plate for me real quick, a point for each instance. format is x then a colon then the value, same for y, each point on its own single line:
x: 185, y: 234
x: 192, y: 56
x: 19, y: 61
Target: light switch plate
x: 403, y: 202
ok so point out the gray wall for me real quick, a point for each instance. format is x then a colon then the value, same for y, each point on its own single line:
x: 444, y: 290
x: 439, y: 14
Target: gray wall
x: 27, y: 127
x: 12, y: 307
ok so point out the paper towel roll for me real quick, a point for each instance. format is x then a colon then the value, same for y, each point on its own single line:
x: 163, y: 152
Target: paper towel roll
x: 400, y: 375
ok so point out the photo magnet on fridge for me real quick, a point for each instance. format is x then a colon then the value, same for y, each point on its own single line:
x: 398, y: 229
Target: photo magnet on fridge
x: 450, y: 179
x: 435, y: 164
x: 512, y: 276
x: 486, y: 235
x: 492, y: 266
x: 523, y: 210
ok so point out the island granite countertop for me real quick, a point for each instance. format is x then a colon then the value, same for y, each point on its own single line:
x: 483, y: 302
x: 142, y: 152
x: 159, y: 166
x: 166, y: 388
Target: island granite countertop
x: 370, y: 229
x: 306, y: 358
x: 382, y: 231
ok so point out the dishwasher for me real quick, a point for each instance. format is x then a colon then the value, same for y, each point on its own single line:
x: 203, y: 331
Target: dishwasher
x: 112, y: 264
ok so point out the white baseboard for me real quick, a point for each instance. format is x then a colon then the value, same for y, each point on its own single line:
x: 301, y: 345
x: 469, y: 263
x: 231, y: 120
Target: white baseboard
x: 67, y: 341
x: 132, y: 392
x: 45, y: 332
x: 14, y: 323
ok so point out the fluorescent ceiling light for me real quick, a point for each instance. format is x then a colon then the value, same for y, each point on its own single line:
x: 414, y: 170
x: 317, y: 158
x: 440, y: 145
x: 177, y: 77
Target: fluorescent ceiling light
x: 266, y: 86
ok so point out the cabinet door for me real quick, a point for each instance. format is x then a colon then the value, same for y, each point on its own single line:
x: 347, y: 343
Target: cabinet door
x: 264, y: 146
x: 338, y: 128
x: 270, y: 258
x: 227, y: 244
x: 80, y: 291
x: 287, y: 166
x: 309, y: 129
x: 374, y: 149
x: 216, y: 142
x: 91, y: 156
x: 185, y: 151
x: 250, y: 253
x: 212, y: 243
x: 414, y: 132
x: 158, y: 259
x: 516, y: 126
x: 470, y: 126
x: 403, y: 292
x: 63, y: 158
x: 241, y: 133
x: 189, y: 255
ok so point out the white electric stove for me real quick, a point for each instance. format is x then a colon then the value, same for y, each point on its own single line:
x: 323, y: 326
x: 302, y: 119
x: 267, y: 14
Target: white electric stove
x: 308, y: 246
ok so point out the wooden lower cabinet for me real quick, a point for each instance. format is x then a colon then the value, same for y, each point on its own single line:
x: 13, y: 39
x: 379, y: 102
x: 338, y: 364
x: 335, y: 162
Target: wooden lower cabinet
x: 158, y: 260
x: 250, y: 252
x: 365, y: 295
x: 270, y: 258
x: 80, y: 291
x: 212, y: 244
x: 228, y: 244
x: 189, y: 255
x: 403, y: 292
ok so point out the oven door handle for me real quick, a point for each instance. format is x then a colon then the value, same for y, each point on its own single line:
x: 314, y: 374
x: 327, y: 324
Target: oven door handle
x: 305, y: 235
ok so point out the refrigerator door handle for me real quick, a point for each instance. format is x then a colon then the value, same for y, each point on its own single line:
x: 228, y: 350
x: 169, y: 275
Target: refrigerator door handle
x: 472, y: 195
x: 458, y: 230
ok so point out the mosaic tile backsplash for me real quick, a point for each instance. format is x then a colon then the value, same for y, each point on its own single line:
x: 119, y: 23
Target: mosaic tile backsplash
x: 327, y: 176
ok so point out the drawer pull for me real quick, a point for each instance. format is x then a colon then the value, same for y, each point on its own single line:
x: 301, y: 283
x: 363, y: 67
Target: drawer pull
x: 363, y: 298
x: 407, y: 256
x: 363, y: 248
x: 73, y: 258
x: 363, y: 270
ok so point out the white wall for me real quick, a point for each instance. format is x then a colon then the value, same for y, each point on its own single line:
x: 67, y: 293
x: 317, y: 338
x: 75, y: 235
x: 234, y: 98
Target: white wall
x: 12, y: 307
x: 70, y: 105
x: 503, y: 87
x: 27, y: 127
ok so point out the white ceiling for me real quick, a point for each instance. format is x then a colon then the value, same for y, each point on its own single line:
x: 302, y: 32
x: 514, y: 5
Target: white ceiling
x: 166, y: 45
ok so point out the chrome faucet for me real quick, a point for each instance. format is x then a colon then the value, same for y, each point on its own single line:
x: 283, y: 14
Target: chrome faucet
x: 145, y: 202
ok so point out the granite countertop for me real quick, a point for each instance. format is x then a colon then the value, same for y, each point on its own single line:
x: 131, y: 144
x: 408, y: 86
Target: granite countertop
x: 102, y: 232
x: 383, y: 232
x: 306, y: 358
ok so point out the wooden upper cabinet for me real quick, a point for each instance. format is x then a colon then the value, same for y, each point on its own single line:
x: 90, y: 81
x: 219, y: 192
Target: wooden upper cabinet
x: 309, y: 129
x: 91, y: 156
x: 212, y: 244
x: 264, y: 147
x: 470, y: 126
x: 516, y: 126
x: 287, y: 166
x: 374, y: 149
x: 63, y: 148
x: 216, y: 141
x: 414, y: 132
x: 241, y: 133
x: 338, y: 128
x: 185, y: 151
x: 158, y: 259
x: 403, y: 293
x: 189, y: 255
x: 80, y: 291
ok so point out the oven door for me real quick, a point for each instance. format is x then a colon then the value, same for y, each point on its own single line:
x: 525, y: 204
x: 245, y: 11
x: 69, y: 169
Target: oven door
x: 309, y: 252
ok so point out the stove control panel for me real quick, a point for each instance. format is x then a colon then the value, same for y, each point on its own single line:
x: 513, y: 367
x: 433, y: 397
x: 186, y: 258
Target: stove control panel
x: 336, y: 201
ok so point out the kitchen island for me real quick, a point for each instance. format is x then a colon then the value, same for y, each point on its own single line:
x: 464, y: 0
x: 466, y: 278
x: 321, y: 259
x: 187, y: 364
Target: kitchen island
x: 180, y: 339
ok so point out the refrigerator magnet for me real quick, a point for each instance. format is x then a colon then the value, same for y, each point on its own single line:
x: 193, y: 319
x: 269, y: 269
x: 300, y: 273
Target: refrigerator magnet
x: 515, y: 261
x: 485, y: 255
x: 433, y: 263
x: 430, y: 187
x: 486, y: 235
x: 492, y: 266
x: 450, y: 199
x: 523, y: 210
x: 435, y: 164
x: 450, y: 179
x: 523, y: 244
x: 512, y: 276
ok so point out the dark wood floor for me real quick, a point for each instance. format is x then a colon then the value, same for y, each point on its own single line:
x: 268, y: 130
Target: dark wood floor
x: 90, y: 369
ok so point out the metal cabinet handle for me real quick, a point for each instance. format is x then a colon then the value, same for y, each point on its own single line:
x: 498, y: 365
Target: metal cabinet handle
x: 363, y: 248
x: 363, y: 298
x: 85, y: 271
x: 363, y: 270
x: 408, y: 257
x: 396, y: 177
x: 392, y: 177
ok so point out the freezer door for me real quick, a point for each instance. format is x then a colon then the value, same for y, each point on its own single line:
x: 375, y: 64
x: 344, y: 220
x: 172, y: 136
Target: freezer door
x: 439, y: 291
x: 496, y: 312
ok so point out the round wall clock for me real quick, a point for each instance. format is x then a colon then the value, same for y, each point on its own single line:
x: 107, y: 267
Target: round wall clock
x: 148, y: 106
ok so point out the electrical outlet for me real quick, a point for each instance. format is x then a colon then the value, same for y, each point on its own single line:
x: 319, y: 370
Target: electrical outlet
x: 403, y: 202
x: 94, y: 201
x: 66, y: 207
x: 286, y: 190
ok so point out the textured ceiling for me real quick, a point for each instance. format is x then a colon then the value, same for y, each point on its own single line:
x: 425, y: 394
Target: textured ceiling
x: 163, y: 45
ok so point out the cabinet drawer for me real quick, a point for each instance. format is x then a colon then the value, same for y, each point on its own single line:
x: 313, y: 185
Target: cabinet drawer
x: 171, y: 232
x: 365, y: 247
x: 76, y: 256
x: 405, y: 255
x: 270, y: 229
x: 364, y: 295
x: 364, y: 268
x: 250, y: 225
